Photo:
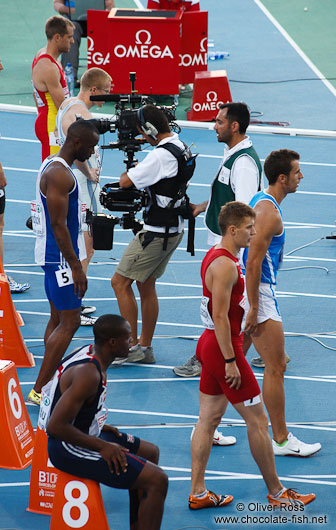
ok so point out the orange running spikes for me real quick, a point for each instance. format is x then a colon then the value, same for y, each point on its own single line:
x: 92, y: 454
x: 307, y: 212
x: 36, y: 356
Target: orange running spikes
x: 211, y: 500
x: 290, y: 496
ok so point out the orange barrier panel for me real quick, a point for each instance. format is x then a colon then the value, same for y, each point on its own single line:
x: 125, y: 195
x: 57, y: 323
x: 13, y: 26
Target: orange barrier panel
x: 43, y: 477
x: 12, y: 345
x: 78, y: 503
x: 17, y: 435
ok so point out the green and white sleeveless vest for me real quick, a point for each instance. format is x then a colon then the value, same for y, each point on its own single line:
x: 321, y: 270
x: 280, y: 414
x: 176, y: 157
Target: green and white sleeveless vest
x: 221, y: 191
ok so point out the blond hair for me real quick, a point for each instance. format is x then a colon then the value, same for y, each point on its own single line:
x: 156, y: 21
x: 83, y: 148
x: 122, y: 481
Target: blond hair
x: 94, y: 77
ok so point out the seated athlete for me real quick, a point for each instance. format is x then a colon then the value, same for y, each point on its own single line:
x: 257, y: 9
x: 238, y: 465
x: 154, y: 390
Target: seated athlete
x: 226, y: 375
x: 80, y: 443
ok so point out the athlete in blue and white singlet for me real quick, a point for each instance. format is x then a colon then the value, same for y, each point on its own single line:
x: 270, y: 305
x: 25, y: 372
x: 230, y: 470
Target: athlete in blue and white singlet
x: 273, y: 258
x: 268, y: 305
x: 46, y: 249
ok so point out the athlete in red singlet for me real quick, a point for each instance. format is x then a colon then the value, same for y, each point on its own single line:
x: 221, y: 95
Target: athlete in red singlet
x: 172, y: 5
x: 226, y: 375
x: 49, y: 83
x: 208, y: 352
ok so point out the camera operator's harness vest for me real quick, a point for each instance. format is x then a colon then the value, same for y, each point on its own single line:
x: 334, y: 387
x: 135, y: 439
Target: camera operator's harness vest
x: 174, y: 188
x: 221, y: 193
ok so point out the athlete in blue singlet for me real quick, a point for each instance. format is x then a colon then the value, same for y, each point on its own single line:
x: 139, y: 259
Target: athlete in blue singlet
x: 274, y: 252
x: 57, y: 224
x: 263, y: 321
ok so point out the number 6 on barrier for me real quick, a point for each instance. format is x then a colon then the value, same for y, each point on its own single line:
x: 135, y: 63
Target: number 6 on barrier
x: 17, y: 435
x: 78, y: 504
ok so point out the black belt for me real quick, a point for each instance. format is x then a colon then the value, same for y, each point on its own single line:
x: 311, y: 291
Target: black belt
x: 149, y: 236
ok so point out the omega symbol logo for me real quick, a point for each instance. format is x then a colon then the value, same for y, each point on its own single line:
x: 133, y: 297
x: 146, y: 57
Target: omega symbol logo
x: 148, y: 37
x: 211, y: 96
x: 203, y: 45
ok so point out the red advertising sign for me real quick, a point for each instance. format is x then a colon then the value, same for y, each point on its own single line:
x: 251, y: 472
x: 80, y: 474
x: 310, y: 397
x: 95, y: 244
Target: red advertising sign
x: 194, y: 45
x: 211, y: 89
x: 147, y: 43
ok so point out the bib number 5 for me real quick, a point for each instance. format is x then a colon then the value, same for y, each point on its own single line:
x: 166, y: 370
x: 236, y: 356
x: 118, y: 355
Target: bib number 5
x: 64, y: 277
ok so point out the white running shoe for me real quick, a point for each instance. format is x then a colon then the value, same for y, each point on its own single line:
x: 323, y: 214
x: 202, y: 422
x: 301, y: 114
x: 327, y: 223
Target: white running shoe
x: 87, y: 320
x: 294, y: 447
x: 16, y: 287
x: 219, y: 439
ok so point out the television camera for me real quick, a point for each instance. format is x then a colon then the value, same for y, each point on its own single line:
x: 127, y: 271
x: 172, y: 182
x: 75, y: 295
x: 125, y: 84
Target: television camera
x: 116, y: 199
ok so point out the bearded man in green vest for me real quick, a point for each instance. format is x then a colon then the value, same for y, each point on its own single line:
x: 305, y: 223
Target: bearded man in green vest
x: 239, y: 175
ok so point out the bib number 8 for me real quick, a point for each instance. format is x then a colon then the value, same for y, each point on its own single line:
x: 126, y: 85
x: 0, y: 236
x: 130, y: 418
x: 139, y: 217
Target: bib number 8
x: 14, y: 399
x: 76, y: 502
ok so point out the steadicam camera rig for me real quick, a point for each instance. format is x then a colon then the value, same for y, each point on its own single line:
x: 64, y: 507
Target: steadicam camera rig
x: 116, y: 199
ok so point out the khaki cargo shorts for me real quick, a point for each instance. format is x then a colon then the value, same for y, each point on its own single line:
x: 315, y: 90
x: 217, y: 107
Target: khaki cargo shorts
x: 140, y: 263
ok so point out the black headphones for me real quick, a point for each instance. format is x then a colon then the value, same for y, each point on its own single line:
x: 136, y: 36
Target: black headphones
x: 147, y: 128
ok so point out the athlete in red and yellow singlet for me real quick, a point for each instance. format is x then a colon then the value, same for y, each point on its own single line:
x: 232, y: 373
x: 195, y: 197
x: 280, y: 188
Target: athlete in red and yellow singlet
x: 47, y: 111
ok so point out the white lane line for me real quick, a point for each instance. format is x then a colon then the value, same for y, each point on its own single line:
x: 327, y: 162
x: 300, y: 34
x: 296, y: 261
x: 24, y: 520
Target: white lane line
x: 315, y: 379
x: 317, y: 225
x: 308, y: 258
x: 111, y: 179
x: 297, y: 48
x: 112, y: 299
x: 228, y: 421
x: 313, y: 295
x: 11, y: 139
x: 225, y: 421
x: 235, y: 477
x: 297, y: 224
x: 148, y: 413
x: 212, y: 475
x: 13, y: 484
x: 316, y: 193
x: 179, y: 379
x: 314, y: 476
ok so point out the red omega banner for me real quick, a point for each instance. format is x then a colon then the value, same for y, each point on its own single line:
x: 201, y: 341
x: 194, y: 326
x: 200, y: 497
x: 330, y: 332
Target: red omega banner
x: 145, y: 42
x: 194, y: 45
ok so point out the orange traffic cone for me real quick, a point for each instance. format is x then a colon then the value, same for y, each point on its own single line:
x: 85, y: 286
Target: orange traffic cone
x: 78, y: 503
x: 17, y: 435
x: 12, y: 345
x: 43, y: 477
x: 18, y: 316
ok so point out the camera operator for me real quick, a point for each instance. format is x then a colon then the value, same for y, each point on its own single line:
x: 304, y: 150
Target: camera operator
x: 147, y: 256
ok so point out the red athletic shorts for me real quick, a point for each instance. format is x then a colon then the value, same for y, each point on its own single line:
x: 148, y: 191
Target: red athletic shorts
x: 213, y: 369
